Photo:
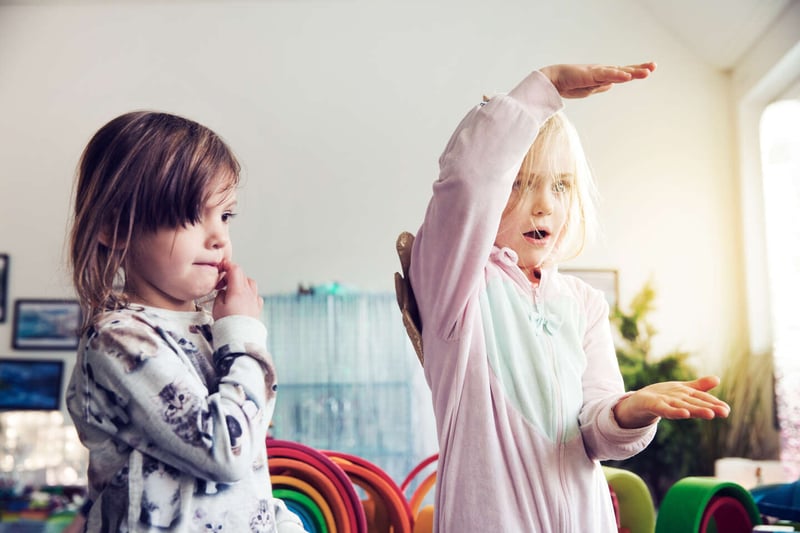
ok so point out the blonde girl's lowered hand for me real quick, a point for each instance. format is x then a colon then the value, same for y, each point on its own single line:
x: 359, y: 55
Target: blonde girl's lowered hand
x: 237, y: 294
x: 673, y: 400
x: 579, y: 81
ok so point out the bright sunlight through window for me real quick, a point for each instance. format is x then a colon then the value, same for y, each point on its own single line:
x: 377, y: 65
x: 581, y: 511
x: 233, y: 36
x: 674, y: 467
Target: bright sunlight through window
x: 780, y: 156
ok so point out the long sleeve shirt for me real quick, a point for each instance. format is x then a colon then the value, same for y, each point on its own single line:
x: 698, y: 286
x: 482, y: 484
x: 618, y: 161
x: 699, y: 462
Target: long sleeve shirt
x: 174, y: 409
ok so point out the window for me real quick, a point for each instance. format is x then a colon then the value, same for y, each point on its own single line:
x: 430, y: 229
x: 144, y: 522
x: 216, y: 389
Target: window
x: 780, y: 157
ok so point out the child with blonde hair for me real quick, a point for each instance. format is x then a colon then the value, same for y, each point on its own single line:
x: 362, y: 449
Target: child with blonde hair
x: 526, y: 388
x: 172, y: 401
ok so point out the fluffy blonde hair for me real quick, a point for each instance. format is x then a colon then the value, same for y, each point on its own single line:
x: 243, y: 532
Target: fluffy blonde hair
x: 556, y: 143
x: 140, y: 172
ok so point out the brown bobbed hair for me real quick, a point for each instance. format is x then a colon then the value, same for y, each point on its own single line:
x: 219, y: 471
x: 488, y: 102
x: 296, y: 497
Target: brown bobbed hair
x: 140, y: 172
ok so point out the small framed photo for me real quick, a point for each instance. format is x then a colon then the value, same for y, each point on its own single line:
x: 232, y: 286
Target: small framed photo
x: 603, y: 279
x: 46, y: 324
x: 3, y: 286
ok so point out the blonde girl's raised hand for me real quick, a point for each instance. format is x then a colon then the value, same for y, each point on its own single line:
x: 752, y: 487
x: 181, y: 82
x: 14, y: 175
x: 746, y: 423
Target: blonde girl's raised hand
x: 579, y: 81
x: 673, y: 400
x: 236, y: 293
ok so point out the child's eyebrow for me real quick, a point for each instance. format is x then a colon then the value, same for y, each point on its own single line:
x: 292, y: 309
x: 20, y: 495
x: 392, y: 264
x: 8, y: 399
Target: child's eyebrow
x: 229, y: 201
x: 536, y: 178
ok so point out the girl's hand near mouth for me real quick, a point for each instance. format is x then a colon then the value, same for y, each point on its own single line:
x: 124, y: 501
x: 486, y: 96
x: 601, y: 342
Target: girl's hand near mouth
x: 236, y: 293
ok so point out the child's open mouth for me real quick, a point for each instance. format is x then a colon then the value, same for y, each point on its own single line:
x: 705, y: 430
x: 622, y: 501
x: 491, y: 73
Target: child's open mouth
x: 537, y: 234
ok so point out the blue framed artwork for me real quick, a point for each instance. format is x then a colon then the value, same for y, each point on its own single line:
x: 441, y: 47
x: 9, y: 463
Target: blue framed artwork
x: 30, y: 384
x: 46, y: 324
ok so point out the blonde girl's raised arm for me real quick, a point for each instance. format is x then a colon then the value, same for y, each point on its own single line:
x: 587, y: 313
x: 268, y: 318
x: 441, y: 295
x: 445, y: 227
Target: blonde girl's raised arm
x: 477, y: 169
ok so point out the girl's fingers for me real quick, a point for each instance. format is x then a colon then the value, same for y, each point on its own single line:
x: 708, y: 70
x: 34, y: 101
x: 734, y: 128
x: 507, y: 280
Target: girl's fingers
x: 238, y: 283
x: 705, y: 383
x: 252, y: 284
x: 668, y: 409
x: 700, y: 409
x: 639, y: 71
x: 621, y: 74
x: 236, y: 280
x: 679, y: 409
x: 223, y: 268
x: 237, y: 294
x: 703, y: 405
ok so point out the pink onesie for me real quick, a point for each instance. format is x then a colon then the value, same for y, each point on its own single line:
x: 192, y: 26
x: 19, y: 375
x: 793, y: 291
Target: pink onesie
x: 523, y: 380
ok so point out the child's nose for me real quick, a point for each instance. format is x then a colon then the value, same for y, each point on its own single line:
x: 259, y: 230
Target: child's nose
x: 218, y: 237
x: 542, y: 202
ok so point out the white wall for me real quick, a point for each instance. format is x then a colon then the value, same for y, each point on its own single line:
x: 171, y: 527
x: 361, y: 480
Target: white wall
x: 339, y: 109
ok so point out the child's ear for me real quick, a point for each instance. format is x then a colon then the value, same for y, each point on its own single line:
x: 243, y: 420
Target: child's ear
x: 106, y: 239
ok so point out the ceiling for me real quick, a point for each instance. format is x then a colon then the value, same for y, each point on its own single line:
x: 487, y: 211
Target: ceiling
x: 719, y: 31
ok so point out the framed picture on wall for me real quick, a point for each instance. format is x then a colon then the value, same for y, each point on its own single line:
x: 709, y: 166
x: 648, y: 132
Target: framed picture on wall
x: 46, y: 324
x: 603, y: 279
x: 3, y: 286
x: 30, y: 384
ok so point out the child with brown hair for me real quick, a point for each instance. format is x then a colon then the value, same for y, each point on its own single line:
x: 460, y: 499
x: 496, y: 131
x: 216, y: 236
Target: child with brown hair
x: 172, y: 401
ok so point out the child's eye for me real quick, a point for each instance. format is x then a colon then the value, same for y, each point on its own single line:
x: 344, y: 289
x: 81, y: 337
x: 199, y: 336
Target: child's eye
x: 227, y: 216
x: 517, y: 184
x: 560, y: 186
